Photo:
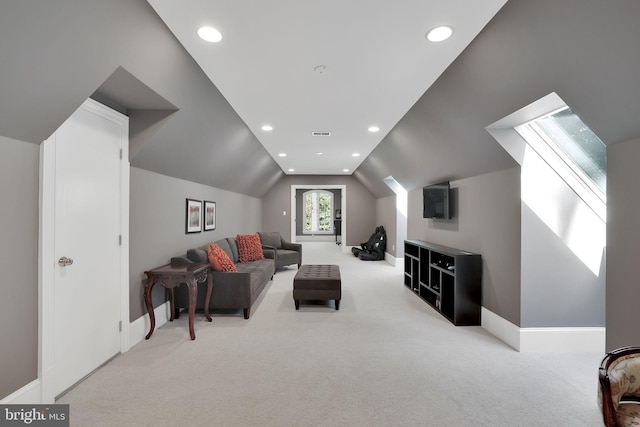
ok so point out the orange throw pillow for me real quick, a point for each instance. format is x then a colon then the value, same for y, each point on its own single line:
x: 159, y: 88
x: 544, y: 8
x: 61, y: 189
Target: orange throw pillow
x: 249, y: 247
x: 219, y: 259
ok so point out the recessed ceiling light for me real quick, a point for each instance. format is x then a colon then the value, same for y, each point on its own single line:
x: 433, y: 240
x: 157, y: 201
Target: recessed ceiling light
x: 282, y: 155
x: 267, y: 128
x: 356, y: 154
x: 292, y: 170
x: 319, y: 153
x: 209, y: 34
x: 345, y: 170
x: 374, y: 129
x: 439, y: 34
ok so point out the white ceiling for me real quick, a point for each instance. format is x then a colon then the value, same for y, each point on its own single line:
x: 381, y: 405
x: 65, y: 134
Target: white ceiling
x: 378, y: 64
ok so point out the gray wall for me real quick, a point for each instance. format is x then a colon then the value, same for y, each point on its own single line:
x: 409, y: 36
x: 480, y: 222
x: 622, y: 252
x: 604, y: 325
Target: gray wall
x: 157, y: 225
x: 529, y: 49
x: 123, y: 48
x: 623, y: 244
x: 19, y: 264
x: 486, y: 220
x: 361, y: 206
x: 558, y: 288
x: 386, y: 215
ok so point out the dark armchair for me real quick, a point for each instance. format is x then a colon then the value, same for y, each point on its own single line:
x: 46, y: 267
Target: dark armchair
x: 619, y: 387
x: 287, y: 253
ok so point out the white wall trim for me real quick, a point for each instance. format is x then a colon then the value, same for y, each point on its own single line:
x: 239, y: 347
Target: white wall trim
x: 139, y: 328
x: 396, y: 262
x: 343, y: 188
x: 553, y: 339
x: 580, y: 339
x: 29, y: 394
x: 501, y: 328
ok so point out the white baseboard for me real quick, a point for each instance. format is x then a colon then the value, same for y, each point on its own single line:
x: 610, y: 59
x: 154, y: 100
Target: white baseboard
x: 139, y: 328
x: 562, y: 340
x: 30, y: 394
x: 396, y: 262
x: 529, y: 340
x: 501, y: 328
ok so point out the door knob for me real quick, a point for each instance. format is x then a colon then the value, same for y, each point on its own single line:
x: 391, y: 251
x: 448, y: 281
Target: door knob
x: 64, y: 261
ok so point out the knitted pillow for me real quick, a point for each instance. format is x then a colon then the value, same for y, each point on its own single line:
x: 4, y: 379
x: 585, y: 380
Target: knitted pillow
x: 249, y: 247
x: 219, y: 259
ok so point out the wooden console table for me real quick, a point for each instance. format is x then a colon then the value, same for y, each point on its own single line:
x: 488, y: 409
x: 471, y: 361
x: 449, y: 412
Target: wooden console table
x: 171, y: 276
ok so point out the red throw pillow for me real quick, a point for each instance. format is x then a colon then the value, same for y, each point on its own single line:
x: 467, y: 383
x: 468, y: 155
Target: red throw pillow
x: 219, y: 259
x: 249, y: 247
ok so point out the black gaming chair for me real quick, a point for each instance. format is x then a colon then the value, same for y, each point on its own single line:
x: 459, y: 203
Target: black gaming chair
x: 365, y: 245
x: 375, y: 251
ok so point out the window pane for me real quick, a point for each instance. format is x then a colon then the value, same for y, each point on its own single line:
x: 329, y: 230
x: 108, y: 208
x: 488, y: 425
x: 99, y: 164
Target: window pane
x: 308, y: 208
x: 579, y: 143
x: 318, y: 212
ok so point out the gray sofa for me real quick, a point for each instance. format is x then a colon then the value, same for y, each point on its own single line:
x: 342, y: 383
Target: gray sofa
x: 287, y: 253
x: 231, y: 290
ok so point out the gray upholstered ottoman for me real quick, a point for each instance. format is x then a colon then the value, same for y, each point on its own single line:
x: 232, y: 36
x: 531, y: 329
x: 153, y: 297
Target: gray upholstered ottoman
x: 317, y: 282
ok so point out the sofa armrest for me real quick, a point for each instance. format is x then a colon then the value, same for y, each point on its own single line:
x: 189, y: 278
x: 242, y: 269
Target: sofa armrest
x: 292, y: 247
x: 269, y: 252
x: 231, y: 289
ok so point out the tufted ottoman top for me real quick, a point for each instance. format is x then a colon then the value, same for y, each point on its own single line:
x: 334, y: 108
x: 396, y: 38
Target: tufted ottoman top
x: 317, y: 277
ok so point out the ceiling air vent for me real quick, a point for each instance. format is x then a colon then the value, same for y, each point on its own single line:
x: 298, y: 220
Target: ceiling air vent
x: 321, y: 133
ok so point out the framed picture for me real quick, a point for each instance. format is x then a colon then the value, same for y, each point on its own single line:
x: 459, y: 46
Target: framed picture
x: 209, y: 215
x: 194, y: 216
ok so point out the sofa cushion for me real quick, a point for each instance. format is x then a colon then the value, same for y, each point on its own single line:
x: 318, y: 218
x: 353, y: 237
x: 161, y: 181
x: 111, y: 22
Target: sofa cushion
x: 271, y: 239
x: 219, y: 259
x: 234, y: 248
x: 249, y: 247
x: 224, y: 245
x: 197, y: 255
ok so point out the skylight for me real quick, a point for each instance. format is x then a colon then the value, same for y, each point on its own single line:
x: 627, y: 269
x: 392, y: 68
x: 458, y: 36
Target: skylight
x: 576, y: 141
x: 567, y: 144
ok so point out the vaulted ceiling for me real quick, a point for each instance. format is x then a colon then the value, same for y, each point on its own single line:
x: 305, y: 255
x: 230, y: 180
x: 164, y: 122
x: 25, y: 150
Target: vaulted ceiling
x: 56, y: 54
x: 322, y: 73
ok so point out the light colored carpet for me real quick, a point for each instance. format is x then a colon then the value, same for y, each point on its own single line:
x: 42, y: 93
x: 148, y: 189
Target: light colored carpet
x: 384, y: 359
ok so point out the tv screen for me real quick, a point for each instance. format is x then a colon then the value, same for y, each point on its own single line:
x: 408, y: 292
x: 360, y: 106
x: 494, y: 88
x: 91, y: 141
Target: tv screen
x: 435, y: 201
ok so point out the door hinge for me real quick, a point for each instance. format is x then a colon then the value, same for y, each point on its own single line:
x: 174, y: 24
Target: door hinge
x: 120, y: 240
x: 120, y: 326
x: 121, y: 154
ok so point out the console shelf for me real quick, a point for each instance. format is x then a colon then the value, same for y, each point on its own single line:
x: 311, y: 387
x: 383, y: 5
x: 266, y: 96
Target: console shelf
x: 448, y: 279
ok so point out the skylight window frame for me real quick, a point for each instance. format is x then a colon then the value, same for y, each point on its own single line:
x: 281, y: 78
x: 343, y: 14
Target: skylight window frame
x: 565, y: 167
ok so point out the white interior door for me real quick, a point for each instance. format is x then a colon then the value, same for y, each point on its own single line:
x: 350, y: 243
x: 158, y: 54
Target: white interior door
x: 87, y: 222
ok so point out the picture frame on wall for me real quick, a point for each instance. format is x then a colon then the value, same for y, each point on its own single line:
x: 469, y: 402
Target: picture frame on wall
x: 209, y: 215
x: 193, y: 216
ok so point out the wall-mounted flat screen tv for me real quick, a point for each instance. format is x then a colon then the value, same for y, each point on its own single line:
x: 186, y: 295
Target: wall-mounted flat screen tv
x: 436, y: 201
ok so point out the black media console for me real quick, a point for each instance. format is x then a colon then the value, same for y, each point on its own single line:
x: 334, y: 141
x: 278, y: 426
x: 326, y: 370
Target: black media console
x: 449, y: 280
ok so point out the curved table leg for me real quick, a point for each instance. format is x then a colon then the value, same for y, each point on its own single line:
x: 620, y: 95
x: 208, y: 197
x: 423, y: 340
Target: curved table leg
x: 208, y: 297
x: 193, y: 296
x: 172, y: 304
x: 147, y: 300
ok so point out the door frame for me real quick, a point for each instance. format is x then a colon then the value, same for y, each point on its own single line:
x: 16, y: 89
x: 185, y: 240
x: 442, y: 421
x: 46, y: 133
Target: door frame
x: 343, y: 206
x: 46, y: 254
